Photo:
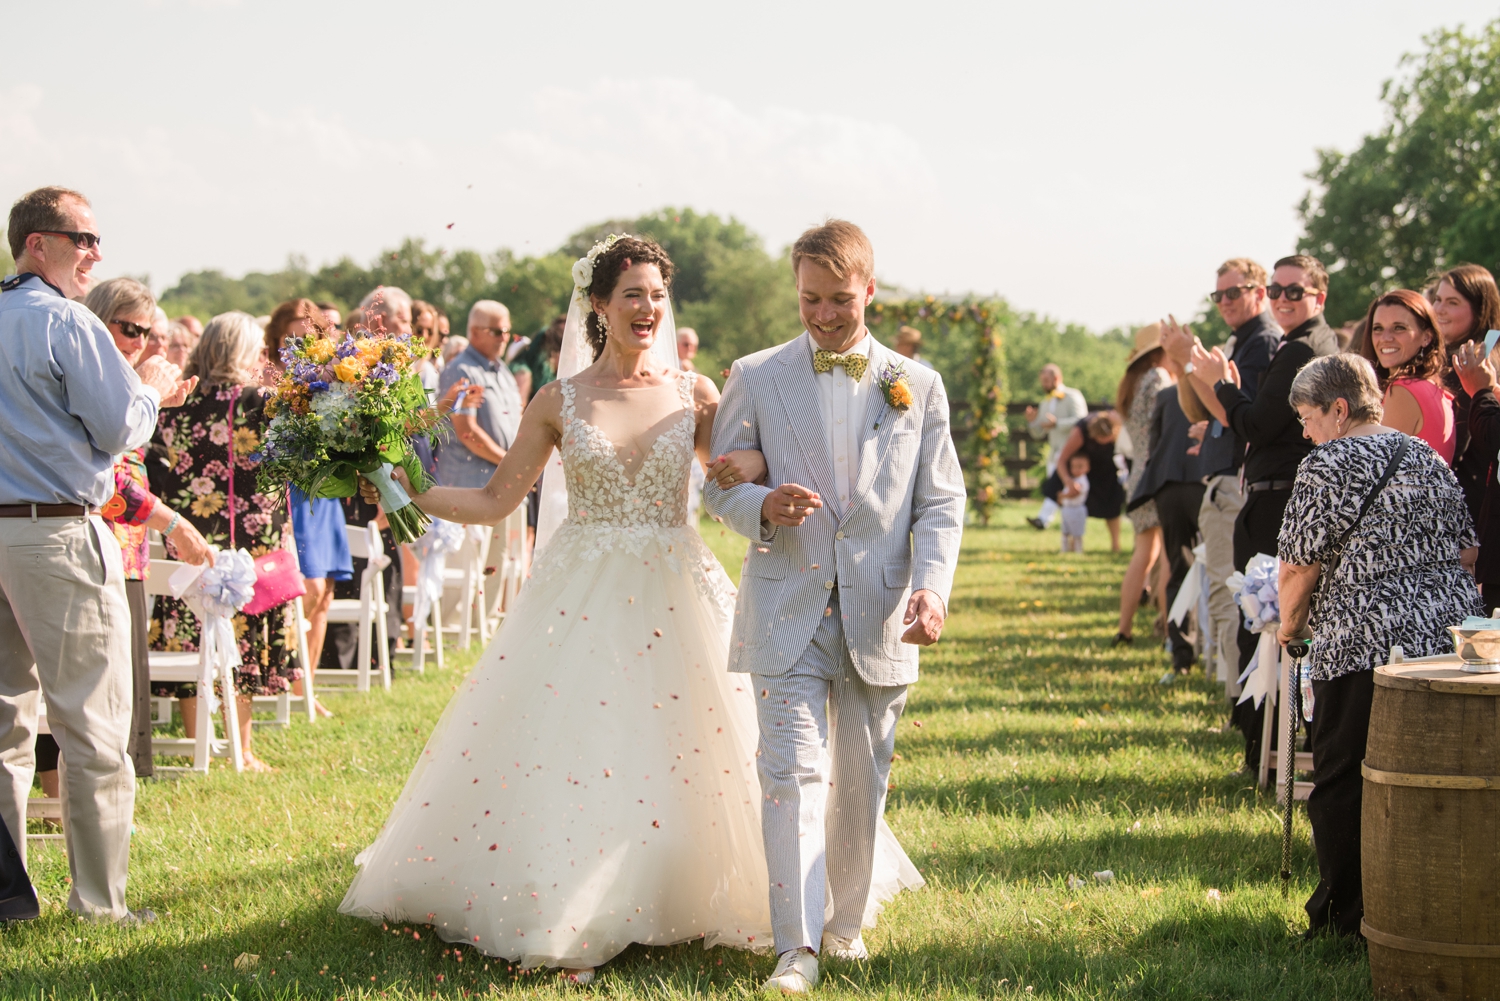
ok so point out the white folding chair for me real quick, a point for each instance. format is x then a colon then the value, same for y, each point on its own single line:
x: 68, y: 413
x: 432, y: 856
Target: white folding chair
x: 45, y: 807
x: 189, y: 667
x: 510, y: 546
x: 463, y: 589
x: 367, y: 612
x: 1275, y: 716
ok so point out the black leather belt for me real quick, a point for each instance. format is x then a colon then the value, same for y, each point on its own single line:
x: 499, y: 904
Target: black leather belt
x: 42, y: 510
x: 1260, y: 485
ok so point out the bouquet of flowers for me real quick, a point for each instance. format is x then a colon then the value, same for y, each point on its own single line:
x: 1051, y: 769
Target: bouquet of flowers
x: 349, y: 408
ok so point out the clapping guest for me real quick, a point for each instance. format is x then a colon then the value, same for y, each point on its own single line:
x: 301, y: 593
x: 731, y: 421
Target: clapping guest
x: 1395, y: 576
x: 1477, y: 372
x: 331, y: 318
x: 1402, y: 343
x: 1465, y: 307
x: 202, y: 460
x: 127, y: 307
x: 386, y: 308
x: 317, y: 523
x: 481, y: 438
x: 424, y: 328
x: 70, y: 403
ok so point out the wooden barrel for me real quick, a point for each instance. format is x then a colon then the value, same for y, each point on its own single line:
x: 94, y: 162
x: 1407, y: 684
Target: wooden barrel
x: 1430, y: 834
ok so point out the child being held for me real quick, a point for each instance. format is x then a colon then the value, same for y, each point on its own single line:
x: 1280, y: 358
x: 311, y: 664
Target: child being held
x: 1074, y: 502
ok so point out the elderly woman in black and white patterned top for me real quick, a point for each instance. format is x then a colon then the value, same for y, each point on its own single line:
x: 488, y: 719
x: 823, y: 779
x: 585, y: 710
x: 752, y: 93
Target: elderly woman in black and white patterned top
x: 1404, y: 576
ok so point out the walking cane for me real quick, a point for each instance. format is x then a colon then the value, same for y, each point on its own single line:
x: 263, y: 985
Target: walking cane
x: 1297, y: 649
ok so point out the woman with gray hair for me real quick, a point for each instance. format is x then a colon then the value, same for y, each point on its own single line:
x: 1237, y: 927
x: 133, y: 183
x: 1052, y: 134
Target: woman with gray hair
x: 203, y: 462
x: 1380, y: 518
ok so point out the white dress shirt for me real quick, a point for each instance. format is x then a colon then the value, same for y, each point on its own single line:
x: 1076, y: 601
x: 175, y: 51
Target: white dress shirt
x: 843, y: 401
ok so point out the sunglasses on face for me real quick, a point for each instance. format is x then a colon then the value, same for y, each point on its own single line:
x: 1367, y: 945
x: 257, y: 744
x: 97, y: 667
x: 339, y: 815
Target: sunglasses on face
x: 83, y: 241
x: 1232, y: 293
x: 128, y: 329
x: 1294, y: 293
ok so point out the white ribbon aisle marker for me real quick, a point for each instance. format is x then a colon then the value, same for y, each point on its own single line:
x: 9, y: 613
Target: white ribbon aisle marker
x: 219, y: 591
x: 432, y: 550
x: 1256, y: 592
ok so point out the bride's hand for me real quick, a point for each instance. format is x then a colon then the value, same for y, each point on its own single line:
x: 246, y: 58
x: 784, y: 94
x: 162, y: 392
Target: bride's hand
x: 739, y: 466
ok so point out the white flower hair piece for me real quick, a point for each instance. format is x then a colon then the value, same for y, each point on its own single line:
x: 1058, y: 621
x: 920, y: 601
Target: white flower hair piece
x: 583, y: 270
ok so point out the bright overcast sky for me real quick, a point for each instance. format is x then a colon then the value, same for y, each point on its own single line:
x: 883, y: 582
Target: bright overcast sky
x: 1091, y: 161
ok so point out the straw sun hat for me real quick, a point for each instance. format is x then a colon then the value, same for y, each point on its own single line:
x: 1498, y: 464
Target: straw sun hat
x: 1147, y: 339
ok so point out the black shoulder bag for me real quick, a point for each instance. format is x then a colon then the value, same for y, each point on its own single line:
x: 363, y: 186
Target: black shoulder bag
x: 1338, y: 548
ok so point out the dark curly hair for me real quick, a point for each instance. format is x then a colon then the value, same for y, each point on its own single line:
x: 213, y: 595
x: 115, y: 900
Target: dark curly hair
x: 1429, y: 362
x: 626, y: 252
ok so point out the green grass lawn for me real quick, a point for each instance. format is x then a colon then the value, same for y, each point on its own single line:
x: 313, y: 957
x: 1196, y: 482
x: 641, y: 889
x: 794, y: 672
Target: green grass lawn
x: 1030, y: 753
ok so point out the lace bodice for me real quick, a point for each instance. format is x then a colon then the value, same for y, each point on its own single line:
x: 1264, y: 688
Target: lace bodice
x: 600, y: 491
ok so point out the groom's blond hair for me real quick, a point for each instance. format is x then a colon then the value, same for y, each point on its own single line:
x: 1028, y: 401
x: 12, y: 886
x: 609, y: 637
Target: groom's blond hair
x: 839, y: 246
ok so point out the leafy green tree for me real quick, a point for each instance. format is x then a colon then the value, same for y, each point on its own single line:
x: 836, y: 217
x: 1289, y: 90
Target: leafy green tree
x: 534, y: 289
x: 1420, y: 194
x: 7, y: 263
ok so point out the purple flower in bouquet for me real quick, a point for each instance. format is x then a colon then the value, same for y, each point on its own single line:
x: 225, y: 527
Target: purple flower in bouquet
x: 347, y: 348
x: 317, y: 386
x: 385, y: 371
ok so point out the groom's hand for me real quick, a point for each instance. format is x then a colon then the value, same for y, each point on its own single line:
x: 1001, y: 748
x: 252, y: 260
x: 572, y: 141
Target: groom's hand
x: 789, y: 504
x: 925, y: 615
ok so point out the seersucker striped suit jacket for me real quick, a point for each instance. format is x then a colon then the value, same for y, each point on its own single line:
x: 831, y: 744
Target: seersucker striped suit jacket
x: 899, y: 532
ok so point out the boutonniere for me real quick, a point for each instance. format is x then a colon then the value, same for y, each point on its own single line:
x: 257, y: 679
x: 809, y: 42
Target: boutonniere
x: 895, y: 389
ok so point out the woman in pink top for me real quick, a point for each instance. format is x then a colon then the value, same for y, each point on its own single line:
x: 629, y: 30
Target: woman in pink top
x: 1402, y: 342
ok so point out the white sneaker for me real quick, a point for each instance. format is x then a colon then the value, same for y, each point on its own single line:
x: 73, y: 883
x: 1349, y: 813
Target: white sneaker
x: 850, y: 950
x: 796, y: 973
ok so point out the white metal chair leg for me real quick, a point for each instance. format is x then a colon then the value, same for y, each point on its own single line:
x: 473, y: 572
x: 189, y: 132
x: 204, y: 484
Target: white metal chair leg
x: 232, y: 717
x: 362, y: 666
x: 301, y: 627
x: 382, y: 635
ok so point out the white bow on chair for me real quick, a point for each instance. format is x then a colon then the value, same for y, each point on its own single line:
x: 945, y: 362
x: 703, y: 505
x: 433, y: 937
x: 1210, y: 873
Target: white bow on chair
x: 441, y: 539
x: 219, y: 591
x: 1256, y: 591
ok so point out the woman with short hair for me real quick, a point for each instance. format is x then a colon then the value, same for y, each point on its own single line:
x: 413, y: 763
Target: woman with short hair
x: 202, y: 458
x: 1395, y: 558
x: 1402, y: 342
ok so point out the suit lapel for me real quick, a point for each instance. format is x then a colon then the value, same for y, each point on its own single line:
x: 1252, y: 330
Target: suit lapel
x: 797, y: 386
x: 873, y: 440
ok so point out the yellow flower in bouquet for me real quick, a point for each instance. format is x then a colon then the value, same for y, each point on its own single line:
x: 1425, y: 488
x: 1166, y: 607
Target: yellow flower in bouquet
x: 349, y: 369
x: 319, y: 351
x: 370, y: 350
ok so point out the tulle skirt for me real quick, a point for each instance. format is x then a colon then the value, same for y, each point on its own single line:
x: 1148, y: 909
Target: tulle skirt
x: 592, y: 783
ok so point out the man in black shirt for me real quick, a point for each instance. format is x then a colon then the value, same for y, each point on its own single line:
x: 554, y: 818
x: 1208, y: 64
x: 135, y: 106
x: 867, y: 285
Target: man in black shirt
x: 1269, y: 426
x: 1240, y: 297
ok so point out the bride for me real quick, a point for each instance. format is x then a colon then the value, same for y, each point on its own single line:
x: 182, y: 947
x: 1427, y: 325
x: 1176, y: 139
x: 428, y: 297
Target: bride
x: 592, y: 784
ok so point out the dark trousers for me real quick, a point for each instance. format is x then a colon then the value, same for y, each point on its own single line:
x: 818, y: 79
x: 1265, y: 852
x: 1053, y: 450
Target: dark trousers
x: 1256, y: 530
x: 139, y: 747
x: 1341, y: 722
x: 1177, y: 507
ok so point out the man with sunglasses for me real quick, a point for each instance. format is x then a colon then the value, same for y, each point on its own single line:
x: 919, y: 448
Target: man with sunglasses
x: 483, y: 432
x: 1240, y: 297
x: 69, y: 403
x: 1268, y: 424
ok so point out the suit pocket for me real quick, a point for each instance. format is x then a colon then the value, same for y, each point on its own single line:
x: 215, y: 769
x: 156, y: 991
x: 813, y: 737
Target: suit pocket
x: 898, y: 575
x: 768, y: 566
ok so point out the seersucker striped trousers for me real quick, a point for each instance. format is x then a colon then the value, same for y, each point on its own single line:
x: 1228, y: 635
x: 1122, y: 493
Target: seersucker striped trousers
x: 826, y: 741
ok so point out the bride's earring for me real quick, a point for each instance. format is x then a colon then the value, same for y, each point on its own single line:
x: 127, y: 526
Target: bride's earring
x: 603, y: 322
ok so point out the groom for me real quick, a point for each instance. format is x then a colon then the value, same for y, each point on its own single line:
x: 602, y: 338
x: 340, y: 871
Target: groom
x: 852, y: 558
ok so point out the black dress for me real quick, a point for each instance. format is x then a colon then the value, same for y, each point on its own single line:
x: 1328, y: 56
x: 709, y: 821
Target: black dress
x: 1106, y: 493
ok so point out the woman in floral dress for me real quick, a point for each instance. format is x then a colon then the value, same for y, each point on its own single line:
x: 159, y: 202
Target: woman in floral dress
x: 189, y: 468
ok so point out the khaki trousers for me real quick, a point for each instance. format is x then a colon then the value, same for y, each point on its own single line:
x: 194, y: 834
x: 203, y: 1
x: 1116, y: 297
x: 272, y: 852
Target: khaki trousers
x: 1222, y: 501
x: 65, y: 634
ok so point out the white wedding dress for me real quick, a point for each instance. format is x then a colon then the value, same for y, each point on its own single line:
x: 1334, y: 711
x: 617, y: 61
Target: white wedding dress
x: 592, y: 783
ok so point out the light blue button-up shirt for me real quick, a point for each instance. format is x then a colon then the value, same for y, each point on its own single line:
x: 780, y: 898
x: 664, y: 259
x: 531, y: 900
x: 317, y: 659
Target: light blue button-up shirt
x: 68, y: 401
x: 499, y: 416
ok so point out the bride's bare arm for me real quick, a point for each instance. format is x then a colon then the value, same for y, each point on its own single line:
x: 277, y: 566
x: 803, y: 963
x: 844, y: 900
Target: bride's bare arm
x: 740, y: 466
x: 523, y: 463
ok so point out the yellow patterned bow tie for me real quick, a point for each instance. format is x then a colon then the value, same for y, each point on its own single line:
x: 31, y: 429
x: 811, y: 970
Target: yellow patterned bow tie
x: 855, y: 365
